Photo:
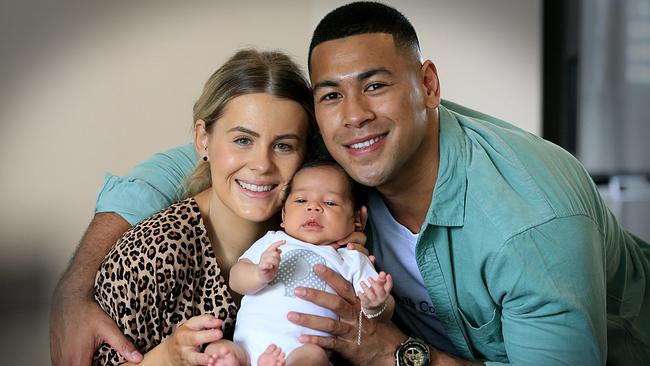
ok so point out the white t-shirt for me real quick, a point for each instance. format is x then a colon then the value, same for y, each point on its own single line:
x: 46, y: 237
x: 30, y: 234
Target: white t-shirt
x: 262, y: 317
x: 394, y: 247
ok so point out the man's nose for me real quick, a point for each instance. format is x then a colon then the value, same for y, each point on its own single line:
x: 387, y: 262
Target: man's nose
x: 356, y: 111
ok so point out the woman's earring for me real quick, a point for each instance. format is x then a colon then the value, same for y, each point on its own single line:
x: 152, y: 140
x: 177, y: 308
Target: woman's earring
x: 205, y: 158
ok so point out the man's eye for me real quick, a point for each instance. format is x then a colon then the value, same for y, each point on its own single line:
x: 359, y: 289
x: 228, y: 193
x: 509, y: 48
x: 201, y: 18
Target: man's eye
x: 330, y: 96
x: 374, y: 86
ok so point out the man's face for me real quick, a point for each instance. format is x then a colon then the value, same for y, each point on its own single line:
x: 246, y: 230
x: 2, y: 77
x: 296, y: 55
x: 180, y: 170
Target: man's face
x: 371, y: 105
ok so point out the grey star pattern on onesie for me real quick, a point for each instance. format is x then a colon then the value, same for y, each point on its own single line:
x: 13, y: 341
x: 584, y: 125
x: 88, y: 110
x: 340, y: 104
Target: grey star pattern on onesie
x: 297, y: 270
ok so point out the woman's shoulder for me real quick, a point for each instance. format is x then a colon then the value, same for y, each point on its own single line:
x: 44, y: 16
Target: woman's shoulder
x: 179, y: 222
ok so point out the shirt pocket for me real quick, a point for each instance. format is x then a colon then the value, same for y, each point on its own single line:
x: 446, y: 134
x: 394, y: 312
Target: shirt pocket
x: 486, y: 339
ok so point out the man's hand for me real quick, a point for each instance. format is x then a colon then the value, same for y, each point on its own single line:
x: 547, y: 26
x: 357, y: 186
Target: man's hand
x: 379, y: 340
x: 77, y: 324
x: 91, y: 327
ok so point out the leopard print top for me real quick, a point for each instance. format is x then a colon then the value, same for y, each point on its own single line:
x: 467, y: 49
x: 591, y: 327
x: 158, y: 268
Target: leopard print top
x: 159, y: 274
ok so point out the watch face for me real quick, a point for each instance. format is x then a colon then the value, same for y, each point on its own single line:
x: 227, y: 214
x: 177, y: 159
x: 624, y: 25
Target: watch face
x: 413, y: 353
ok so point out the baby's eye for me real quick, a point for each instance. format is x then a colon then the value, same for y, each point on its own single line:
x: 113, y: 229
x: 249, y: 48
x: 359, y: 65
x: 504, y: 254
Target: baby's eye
x: 299, y: 200
x: 330, y: 203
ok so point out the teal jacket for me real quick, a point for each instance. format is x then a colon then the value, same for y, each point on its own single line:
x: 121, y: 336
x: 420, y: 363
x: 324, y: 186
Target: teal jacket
x: 522, y: 259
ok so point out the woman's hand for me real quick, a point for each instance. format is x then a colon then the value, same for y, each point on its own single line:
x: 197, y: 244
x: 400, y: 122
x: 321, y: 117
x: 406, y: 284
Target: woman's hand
x: 183, y: 347
x: 379, y: 340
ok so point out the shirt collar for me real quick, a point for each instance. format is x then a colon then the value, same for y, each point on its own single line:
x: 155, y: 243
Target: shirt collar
x: 448, y: 202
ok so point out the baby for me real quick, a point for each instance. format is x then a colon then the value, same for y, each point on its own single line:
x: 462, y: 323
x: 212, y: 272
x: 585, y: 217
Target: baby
x: 319, y: 210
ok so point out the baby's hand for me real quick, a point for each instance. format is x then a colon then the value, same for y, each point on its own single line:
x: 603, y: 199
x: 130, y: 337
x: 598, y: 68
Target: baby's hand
x: 374, y: 295
x: 269, y: 262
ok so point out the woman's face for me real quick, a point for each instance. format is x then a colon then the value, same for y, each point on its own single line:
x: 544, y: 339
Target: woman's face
x: 253, y: 150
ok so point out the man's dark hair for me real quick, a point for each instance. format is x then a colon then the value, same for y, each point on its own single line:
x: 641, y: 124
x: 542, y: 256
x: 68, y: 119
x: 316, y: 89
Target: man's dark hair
x: 365, y: 17
x: 358, y: 192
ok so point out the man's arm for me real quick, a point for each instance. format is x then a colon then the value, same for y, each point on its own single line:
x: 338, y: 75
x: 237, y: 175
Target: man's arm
x: 77, y: 323
x: 379, y: 340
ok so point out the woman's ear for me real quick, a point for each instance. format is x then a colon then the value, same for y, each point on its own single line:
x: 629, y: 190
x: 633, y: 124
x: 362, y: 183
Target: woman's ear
x: 431, y: 84
x: 201, y: 139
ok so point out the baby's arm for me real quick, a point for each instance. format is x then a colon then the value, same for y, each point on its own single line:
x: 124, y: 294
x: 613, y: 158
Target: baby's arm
x: 247, y: 278
x: 376, y: 300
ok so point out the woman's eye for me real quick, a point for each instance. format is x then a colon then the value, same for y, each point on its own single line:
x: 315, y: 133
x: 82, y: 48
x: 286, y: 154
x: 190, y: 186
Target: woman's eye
x: 243, y: 141
x: 284, y: 147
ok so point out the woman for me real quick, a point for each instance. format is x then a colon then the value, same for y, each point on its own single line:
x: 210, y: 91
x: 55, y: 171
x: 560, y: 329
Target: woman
x: 252, y: 124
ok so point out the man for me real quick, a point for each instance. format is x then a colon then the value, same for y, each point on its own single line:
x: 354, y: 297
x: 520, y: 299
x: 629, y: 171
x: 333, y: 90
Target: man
x: 500, y: 247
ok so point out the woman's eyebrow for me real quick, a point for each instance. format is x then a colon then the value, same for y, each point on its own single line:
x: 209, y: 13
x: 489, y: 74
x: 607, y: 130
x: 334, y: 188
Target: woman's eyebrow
x: 244, y: 130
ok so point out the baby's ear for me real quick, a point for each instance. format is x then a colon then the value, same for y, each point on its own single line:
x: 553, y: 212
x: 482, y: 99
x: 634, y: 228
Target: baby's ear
x: 357, y: 221
x: 282, y: 223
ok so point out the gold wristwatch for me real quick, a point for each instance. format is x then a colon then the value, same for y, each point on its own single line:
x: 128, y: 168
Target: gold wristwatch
x: 412, y: 352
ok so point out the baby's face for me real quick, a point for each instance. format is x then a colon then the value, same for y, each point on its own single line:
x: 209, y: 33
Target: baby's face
x: 319, y: 209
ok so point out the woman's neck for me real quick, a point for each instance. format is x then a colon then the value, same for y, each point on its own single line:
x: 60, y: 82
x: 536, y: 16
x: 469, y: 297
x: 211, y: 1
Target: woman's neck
x: 229, y: 234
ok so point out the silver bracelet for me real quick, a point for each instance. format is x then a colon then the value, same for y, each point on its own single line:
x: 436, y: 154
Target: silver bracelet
x: 372, y: 316
x: 362, y: 313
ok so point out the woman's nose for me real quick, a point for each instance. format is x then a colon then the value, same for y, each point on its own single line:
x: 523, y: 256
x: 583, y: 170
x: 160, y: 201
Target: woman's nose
x: 261, y: 161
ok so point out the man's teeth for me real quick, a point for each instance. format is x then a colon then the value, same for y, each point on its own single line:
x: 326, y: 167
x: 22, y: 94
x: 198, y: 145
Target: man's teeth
x: 361, y: 145
x: 255, y: 188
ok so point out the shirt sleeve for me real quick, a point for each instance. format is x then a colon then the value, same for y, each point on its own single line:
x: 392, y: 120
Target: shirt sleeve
x: 149, y: 187
x: 550, y: 283
x: 360, y: 267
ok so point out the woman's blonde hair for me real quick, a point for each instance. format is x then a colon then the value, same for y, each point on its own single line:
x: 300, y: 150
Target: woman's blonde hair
x: 248, y: 71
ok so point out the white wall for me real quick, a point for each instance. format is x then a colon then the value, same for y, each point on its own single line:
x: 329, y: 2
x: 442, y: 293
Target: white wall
x: 89, y: 88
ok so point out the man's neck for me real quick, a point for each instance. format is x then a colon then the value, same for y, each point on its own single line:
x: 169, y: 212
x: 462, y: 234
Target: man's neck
x: 409, y: 195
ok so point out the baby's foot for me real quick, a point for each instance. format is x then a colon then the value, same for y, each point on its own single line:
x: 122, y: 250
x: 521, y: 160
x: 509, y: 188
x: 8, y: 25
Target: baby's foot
x: 221, y: 354
x: 273, y: 356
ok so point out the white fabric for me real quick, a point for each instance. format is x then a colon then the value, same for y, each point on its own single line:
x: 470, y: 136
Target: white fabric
x: 262, y: 317
x: 394, y: 247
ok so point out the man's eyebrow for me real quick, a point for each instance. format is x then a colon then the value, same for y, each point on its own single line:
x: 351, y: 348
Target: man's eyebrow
x: 360, y: 77
x: 285, y: 136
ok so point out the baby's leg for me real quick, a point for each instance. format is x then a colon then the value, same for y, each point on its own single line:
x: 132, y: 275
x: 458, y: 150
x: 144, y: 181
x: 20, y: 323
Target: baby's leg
x: 308, y: 354
x: 226, y: 353
x: 272, y: 356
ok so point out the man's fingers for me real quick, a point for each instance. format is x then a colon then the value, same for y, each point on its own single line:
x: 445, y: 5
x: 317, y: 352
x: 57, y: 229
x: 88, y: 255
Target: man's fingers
x: 324, y: 324
x: 324, y: 342
x: 114, y: 337
x: 358, y: 248
x: 327, y: 300
x: 340, y: 285
x: 363, y: 216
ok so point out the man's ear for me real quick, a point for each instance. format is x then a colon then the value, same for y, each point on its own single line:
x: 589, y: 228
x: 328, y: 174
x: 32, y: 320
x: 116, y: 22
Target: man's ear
x: 282, y: 225
x: 431, y: 84
x: 200, y: 138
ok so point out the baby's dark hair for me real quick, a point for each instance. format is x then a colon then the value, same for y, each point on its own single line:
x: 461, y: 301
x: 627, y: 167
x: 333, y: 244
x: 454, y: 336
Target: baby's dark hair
x: 358, y: 192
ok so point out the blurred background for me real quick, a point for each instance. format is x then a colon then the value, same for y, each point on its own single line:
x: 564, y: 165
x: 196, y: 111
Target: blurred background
x: 92, y: 87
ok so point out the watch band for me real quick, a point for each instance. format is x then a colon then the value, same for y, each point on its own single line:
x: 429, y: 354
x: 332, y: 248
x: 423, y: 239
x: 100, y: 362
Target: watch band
x: 412, y: 352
